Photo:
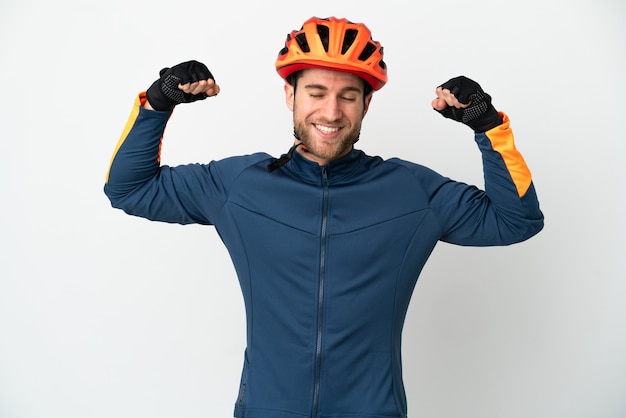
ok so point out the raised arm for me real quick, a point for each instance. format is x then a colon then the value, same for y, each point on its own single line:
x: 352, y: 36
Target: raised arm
x: 507, y: 211
x: 136, y: 182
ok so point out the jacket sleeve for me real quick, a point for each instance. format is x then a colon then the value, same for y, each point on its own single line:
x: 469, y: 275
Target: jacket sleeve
x: 139, y: 185
x: 506, y: 212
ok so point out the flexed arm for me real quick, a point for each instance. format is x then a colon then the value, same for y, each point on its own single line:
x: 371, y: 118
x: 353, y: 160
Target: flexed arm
x: 507, y: 211
x: 136, y: 182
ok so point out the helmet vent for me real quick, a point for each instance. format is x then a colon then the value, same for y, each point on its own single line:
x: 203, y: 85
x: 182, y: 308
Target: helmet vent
x: 323, y: 32
x: 381, y: 63
x: 348, y: 40
x: 369, y: 49
x: 302, y: 42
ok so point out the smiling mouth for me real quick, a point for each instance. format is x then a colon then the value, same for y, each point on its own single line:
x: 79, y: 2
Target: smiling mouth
x: 327, y: 129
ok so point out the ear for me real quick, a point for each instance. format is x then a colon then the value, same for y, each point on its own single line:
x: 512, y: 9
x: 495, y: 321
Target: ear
x: 289, y: 96
x: 366, y: 103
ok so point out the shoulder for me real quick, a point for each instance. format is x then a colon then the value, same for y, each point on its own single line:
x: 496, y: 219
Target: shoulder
x: 229, y: 169
x: 410, y: 168
x: 242, y: 162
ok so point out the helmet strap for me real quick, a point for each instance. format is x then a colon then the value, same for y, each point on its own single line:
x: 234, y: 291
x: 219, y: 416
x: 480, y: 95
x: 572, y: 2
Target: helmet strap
x: 279, y: 162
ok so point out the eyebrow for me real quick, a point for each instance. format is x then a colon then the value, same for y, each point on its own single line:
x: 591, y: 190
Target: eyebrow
x: 323, y: 87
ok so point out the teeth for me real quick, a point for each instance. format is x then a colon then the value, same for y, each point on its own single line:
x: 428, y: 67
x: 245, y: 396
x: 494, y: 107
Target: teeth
x: 327, y: 129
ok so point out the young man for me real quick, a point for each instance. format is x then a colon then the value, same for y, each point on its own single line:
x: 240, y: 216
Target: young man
x: 327, y: 241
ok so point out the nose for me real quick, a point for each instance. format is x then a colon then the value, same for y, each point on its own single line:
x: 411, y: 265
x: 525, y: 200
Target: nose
x: 332, y: 109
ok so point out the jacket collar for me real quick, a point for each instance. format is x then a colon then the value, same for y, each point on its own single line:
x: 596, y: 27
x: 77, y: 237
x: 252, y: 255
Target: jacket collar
x: 336, y: 172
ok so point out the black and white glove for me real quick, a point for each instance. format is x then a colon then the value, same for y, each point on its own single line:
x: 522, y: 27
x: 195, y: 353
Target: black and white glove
x: 164, y: 93
x: 480, y: 115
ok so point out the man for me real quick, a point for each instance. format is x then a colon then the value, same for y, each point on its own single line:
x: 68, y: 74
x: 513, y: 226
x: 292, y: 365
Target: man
x: 327, y: 241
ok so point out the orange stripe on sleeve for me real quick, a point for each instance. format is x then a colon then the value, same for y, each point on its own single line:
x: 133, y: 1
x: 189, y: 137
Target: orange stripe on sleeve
x: 139, y: 101
x: 502, y: 141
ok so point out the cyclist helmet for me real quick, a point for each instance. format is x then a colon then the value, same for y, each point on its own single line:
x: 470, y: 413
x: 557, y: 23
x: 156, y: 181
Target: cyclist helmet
x: 335, y: 44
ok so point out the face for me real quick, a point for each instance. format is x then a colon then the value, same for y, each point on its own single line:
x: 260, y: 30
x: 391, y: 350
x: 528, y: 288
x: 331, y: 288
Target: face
x: 328, y: 108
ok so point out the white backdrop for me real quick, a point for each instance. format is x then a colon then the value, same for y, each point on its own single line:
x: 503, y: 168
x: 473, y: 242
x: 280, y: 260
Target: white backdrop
x: 105, y: 315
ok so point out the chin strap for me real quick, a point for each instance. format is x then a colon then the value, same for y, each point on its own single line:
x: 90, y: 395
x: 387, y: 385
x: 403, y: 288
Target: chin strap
x: 279, y: 162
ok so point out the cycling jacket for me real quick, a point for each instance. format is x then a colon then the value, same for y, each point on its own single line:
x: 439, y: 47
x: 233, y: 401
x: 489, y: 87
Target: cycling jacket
x: 327, y: 256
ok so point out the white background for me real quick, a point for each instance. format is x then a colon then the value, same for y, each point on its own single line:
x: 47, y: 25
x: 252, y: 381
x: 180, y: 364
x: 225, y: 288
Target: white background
x: 106, y: 315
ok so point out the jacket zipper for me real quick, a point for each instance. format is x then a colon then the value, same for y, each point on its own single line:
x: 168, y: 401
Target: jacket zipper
x: 320, y: 294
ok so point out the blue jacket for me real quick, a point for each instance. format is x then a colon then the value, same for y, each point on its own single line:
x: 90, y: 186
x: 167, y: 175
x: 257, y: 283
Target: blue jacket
x: 327, y: 257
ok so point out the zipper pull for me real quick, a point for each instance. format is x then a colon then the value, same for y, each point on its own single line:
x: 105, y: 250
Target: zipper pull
x: 324, y: 172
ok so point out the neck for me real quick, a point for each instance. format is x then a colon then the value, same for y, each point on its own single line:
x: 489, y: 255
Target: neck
x: 302, y: 150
